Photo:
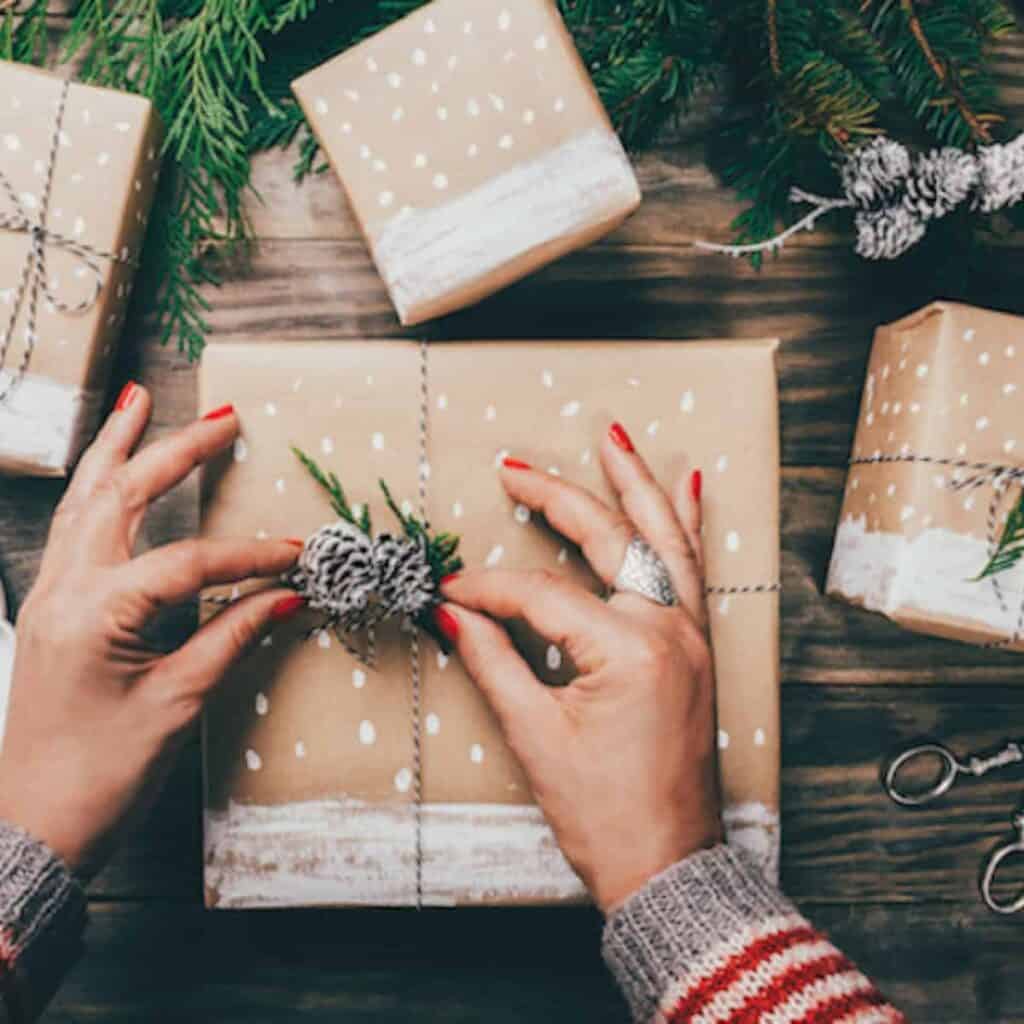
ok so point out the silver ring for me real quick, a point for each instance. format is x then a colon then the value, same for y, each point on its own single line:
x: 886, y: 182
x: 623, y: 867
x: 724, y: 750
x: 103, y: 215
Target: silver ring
x: 644, y: 573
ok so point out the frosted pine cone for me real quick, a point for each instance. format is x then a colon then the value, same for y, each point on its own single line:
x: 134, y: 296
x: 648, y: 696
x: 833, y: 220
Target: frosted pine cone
x: 888, y: 233
x: 941, y: 181
x: 336, y: 573
x: 874, y: 172
x: 1002, y: 175
x: 406, y: 582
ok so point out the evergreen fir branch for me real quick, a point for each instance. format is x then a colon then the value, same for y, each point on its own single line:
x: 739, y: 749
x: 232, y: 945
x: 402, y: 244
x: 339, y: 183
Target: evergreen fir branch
x: 1010, y: 548
x: 23, y: 36
x: 332, y: 485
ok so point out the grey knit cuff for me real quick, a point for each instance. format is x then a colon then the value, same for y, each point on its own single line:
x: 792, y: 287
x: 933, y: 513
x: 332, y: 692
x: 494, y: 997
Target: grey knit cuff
x: 42, y: 918
x: 679, y: 917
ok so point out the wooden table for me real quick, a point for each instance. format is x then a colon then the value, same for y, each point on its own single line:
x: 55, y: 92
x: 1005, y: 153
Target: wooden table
x: 896, y: 889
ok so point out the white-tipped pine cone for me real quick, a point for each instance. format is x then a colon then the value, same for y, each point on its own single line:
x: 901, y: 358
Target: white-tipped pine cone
x: 1002, y: 175
x: 887, y: 233
x: 358, y: 581
x: 875, y: 172
x: 941, y: 181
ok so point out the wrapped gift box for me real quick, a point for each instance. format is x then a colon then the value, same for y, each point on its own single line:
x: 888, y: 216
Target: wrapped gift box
x: 940, y: 419
x: 309, y: 754
x: 105, y: 148
x: 473, y: 148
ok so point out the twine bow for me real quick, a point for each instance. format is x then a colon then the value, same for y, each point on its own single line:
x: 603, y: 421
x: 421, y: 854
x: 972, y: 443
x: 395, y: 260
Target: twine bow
x: 32, y: 281
x: 982, y: 474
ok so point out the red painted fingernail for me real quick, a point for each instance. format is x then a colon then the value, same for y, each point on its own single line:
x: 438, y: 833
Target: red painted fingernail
x: 295, y: 542
x: 447, y: 623
x: 287, y: 607
x: 220, y: 413
x: 511, y: 463
x: 128, y: 393
x: 696, y: 484
x: 447, y: 579
x: 618, y: 434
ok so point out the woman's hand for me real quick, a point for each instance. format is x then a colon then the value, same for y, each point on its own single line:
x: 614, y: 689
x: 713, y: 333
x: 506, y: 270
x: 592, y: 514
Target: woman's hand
x: 622, y: 761
x: 95, y: 711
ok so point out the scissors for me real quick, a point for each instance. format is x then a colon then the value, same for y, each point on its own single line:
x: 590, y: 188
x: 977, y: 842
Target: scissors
x: 951, y: 768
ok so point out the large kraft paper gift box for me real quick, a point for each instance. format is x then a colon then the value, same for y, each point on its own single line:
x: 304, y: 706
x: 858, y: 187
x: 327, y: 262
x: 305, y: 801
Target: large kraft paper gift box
x: 940, y: 419
x: 473, y: 147
x: 309, y: 755
x: 103, y: 148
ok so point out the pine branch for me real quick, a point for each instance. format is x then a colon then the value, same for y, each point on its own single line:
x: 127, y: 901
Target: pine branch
x: 23, y: 32
x: 332, y: 485
x: 1010, y: 548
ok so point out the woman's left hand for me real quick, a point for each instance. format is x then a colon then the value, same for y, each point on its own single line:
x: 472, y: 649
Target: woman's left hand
x: 96, y: 711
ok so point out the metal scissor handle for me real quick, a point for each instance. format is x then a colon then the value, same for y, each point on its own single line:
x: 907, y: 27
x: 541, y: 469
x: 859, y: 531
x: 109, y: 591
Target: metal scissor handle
x: 998, y: 855
x: 951, y: 767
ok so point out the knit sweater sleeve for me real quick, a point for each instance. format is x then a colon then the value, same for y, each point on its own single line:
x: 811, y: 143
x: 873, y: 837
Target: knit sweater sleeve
x: 42, y: 918
x: 710, y: 940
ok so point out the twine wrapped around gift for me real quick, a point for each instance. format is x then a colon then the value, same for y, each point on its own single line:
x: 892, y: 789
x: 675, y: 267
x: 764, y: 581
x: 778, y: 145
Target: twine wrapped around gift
x: 996, y: 475
x: 33, y: 277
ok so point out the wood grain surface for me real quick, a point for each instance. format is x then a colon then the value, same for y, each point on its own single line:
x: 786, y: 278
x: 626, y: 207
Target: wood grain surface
x: 896, y: 888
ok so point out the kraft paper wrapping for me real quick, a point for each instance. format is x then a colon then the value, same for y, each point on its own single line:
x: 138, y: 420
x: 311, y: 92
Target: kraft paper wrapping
x: 309, y: 754
x: 944, y: 382
x: 107, y: 160
x: 473, y: 148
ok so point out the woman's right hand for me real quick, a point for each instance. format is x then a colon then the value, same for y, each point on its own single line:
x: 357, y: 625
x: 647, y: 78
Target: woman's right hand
x: 623, y: 760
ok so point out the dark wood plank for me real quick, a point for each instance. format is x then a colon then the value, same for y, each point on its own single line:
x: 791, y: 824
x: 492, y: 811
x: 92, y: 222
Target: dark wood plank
x: 160, y: 963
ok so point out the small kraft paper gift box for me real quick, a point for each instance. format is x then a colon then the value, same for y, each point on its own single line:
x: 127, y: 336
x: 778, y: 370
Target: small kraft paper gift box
x: 473, y: 148
x: 311, y: 756
x: 935, y: 471
x: 78, y: 169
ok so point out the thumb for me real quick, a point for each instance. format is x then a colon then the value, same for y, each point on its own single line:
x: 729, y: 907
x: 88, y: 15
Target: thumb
x: 526, y: 709
x: 200, y: 664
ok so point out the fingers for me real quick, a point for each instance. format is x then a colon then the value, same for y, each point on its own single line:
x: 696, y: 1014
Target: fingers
x: 198, y: 666
x: 176, y: 572
x: 121, y: 432
x: 600, y: 532
x: 649, y: 508
x: 557, y: 610
x: 521, y: 702
x: 158, y: 468
x: 687, y: 501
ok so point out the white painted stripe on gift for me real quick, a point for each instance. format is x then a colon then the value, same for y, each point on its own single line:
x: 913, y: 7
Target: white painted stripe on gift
x: 346, y: 852
x: 933, y: 573
x: 43, y: 424
x: 429, y: 253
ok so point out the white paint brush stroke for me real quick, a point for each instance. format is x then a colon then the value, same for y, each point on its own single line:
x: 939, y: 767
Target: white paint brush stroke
x: 349, y: 853
x: 425, y: 254
x: 43, y: 423
x: 931, y: 573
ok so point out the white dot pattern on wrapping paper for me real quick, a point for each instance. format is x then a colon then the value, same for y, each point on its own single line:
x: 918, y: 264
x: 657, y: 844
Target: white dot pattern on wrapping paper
x: 327, y: 445
x: 476, y: 754
x: 12, y: 142
x: 906, y: 513
x: 442, y: 660
x: 419, y: 56
x: 722, y: 463
x: 352, y: 95
x: 270, y: 409
x: 394, y: 79
x: 453, y: 62
x: 732, y: 541
x: 300, y: 749
x: 547, y: 378
x: 922, y: 370
x: 494, y: 556
x: 320, y: 105
x: 502, y: 455
x: 457, y: 509
x: 981, y: 423
x: 490, y: 413
x: 504, y: 20
x: 529, y: 116
x: 496, y: 101
x: 241, y: 450
x: 323, y: 638
x: 440, y: 182
x: 280, y: 486
x: 1008, y: 446
x: 571, y: 408
x: 367, y: 733
x: 472, y: 149
x: 358, y: 678
x: 403, y: 780
x: 969, y: 334
x: 253, y: 761
x: 442, y: 401
x: 262, y: 704
x: 723, y: 739
x: 686, y: 402
x: 559, y: 105
x: 377, y: 441
x: 442, y: 113
x: 472, y: 107
x: 346, y: 127
x: 506, y: 142
x: 759, y: 738
x: 652, y: 428
x: 386, y: 198
x: 521, y: 514
x: 432, y: 724
x: 419, y: 160
x: 984, y: 358
x: 541, y: 42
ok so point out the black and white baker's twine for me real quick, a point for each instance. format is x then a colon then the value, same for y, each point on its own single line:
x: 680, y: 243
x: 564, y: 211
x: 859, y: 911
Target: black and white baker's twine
x: 996, y: 475
x: 33, y: 277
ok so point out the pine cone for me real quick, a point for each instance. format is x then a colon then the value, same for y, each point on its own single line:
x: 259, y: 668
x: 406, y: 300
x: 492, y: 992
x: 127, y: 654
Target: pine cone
x: 1002, y: 175
x: 336, y: 573
x: 406, y: 582
x: 941, y: 180
x: 875, y: 172
x: 887, y: 233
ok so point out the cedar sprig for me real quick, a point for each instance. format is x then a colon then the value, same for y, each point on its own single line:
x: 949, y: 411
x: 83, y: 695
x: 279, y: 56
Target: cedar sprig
x: 1010, y: 547
x: 441, y: 549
